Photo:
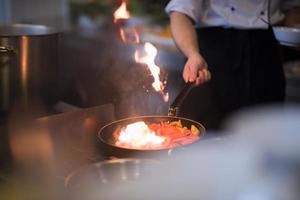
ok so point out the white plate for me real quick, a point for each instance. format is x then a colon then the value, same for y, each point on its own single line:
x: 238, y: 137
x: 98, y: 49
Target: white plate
x: 287, y: 35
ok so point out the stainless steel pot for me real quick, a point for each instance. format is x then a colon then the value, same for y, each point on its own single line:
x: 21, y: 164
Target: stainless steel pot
x: 28, y: 66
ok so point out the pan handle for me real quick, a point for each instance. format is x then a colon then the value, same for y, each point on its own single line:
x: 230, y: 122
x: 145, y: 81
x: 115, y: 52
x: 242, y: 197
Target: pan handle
x: 5, y: 50
x: 173, y: 109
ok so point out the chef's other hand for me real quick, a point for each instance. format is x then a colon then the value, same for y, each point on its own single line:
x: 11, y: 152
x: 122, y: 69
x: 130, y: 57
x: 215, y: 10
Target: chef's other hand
x: 195, y: 70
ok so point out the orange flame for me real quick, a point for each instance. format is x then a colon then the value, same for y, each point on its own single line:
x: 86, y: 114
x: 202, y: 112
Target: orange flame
x: 149, y: 60
x: 136, y: 37
x: 123, y: 35
x: 121, y: 12
x: 130, y: 35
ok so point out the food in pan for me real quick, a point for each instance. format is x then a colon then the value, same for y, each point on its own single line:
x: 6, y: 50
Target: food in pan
x: 163, y: 135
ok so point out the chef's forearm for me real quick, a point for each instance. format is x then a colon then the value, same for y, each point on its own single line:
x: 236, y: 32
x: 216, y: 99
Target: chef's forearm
x: 292, y: 17
x: 184, y: 33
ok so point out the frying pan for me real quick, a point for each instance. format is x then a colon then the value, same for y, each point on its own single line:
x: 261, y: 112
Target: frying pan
x: 108, y: 141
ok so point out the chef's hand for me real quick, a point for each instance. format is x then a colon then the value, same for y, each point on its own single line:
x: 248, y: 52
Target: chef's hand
x: 195, y: 70
x: 292, y: 17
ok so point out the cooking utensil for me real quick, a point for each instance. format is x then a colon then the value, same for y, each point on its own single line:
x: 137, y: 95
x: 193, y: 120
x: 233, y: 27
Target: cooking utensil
x: 108, y: 141
x: 28, y: 66
x: 173, y: 110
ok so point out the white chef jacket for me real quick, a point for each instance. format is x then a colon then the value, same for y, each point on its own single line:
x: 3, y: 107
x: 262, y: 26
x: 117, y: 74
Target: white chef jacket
x: 244, y: 14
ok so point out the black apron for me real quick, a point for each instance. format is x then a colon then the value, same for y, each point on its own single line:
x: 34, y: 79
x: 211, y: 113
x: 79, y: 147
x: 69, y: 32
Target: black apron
x: 246, y: 69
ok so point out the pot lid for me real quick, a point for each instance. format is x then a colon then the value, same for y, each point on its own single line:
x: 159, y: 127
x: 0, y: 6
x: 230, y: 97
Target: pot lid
x: 26, y: 29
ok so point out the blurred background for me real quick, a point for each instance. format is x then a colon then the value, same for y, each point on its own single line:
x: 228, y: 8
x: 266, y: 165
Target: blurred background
x: 95, y: 68
x: 97, y: 81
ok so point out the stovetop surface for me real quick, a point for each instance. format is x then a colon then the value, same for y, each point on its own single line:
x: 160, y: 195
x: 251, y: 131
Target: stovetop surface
x: 56, y: 144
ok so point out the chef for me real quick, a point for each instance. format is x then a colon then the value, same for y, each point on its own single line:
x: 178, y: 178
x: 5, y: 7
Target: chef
x: 232, y: 43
